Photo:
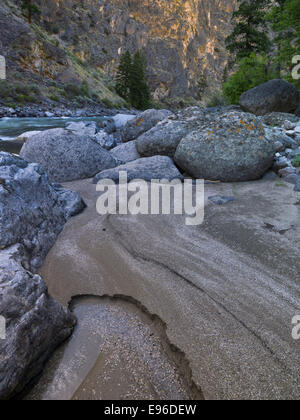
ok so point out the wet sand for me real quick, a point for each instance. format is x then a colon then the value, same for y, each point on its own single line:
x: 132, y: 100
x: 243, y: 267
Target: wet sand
x: 118, y: 351
x: 226, y: 290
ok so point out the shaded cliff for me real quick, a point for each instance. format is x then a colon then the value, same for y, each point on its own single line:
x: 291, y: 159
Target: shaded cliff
x: 181, y: 38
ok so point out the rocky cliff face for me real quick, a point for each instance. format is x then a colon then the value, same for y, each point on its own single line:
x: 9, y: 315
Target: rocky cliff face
x: 181, y: 38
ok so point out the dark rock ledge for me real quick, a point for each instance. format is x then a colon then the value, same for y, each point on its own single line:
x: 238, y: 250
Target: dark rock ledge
x: 32, y: 213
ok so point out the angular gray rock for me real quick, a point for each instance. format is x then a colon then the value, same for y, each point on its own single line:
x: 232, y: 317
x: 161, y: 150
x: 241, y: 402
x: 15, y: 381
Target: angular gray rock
x: 32, y: 214
x: 126, y: 152
x: 274, y: 96
x: 156, y: 167
x: 105, y: 140
x: 32, y: 211
x: 35, y: 323
x: 231, y: 147
x: 70, y: 201
x: 66, y: 156
x: 142, y: 123
x: 120, y: 120
x: 83, y: 128
x: 297, y: 185
x: 108, y: 125
x: 164, y: 138
x: 278, y: 118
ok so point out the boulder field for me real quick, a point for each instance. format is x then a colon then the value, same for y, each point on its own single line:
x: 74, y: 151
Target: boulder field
x: 216, y: 144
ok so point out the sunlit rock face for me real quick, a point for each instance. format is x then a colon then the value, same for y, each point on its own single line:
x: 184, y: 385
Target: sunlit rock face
x: 180, y: 37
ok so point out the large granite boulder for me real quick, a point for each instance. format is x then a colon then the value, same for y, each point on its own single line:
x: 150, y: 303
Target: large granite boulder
x: 274, y: 96
x: 66, y: 156
x: 105, y: 140
x: 126, y: 152
x: 142, y: 123
x: 156, y: 167
x: 232, y: 147
x: 164, y: 138
x: 35, y: 323
x: 32, y: 211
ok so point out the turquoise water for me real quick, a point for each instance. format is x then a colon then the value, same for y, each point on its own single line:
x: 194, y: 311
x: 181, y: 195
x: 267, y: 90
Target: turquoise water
x: 11, y: 128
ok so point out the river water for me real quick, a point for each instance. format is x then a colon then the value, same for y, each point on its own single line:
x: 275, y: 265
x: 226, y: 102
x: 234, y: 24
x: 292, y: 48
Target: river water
x: 10, y: 128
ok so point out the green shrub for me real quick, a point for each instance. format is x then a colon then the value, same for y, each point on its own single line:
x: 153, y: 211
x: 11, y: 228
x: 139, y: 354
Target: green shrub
x: 106, y: 102
x: 54, y: 98
x: 296, y: 161
x: 217, y: 99
x: 19, y: 93
x: 72, y: 90
x: 252, y: 71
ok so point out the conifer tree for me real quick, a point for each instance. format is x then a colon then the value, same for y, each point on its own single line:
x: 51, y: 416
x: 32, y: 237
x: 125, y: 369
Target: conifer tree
x: 139, y: 89
x: 31, y: 9
x: 249, y: 34
x: 131, y: 80
x: 123, y: 82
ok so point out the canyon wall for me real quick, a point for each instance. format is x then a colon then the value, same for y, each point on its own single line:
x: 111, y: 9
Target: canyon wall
x: 182, y: 39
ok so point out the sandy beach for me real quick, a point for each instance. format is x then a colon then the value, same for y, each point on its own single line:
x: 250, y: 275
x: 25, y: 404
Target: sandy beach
x: 226, y: 292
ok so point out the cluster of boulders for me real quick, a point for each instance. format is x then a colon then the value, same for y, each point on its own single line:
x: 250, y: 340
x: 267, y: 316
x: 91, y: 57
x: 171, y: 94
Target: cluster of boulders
x: 32, y: 214
x: 225, y: 145
x: 214, y: 144
x: 287, y: 159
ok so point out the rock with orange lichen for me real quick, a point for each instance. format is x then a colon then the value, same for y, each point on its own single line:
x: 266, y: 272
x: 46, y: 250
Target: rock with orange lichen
x: 230, y: 147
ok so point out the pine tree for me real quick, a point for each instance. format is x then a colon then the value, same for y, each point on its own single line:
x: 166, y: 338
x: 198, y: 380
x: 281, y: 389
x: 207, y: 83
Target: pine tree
x: 131, y: 80
x: 30, y: 9
x: 123, y: 82
x: 139, y: 89
x: 249, y: 34
x: 202, y: 85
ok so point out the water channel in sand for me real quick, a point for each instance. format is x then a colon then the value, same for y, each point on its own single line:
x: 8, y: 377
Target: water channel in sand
x: 118, y: 351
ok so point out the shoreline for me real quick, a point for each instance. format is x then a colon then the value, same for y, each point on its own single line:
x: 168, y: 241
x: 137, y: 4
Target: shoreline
x: 48, y: 111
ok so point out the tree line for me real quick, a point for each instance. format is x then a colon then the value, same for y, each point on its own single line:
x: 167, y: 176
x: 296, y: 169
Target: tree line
x: 264, y: 40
